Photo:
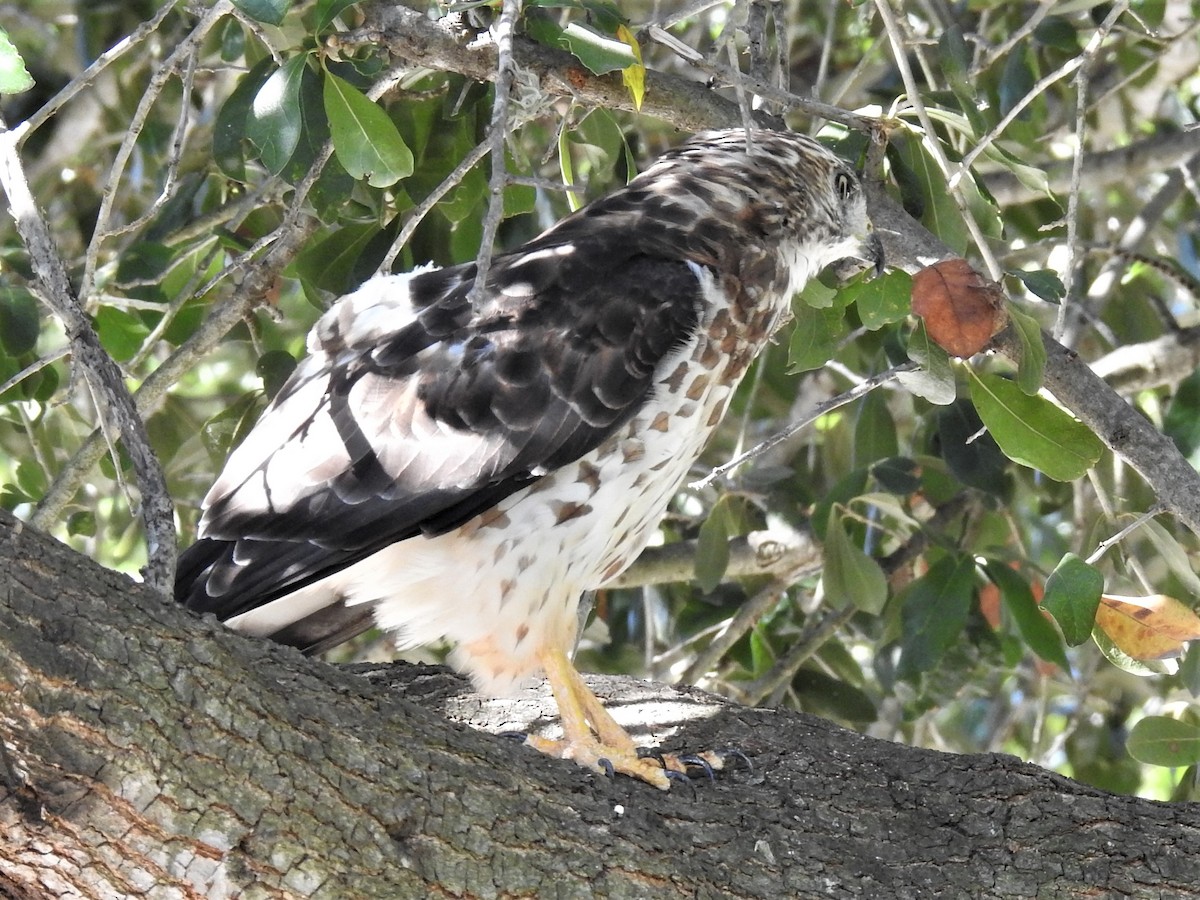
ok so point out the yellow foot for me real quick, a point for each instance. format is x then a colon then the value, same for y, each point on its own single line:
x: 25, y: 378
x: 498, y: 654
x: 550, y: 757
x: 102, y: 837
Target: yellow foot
x: 593, y: 738
x: 650, y: 766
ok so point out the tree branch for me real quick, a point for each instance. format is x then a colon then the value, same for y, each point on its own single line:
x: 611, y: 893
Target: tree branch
x: 114, y: 404
x: 198, y: 763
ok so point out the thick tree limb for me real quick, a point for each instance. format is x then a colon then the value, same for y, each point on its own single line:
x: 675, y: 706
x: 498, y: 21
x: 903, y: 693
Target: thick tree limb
x: 158, y: 755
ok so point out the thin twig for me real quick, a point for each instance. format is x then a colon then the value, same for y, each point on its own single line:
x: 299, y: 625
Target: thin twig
x: 498, y: 134
x: 1082, y: 81
x: 899, y: 55
x: 104, y: 378
x: 1103, y: 547
x: 158, y: 82
x: 422, y: 209
x: 821, y: 409
x: 88, y: 75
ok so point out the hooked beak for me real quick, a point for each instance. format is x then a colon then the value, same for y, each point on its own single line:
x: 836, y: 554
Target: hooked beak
x: 874, y: 248
x: 870, y: 251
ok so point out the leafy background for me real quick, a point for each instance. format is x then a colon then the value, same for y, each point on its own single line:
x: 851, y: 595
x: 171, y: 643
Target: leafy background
x: 207, y: 137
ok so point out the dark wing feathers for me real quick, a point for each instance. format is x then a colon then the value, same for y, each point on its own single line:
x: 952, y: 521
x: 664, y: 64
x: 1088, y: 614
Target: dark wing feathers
x: 394, y: 430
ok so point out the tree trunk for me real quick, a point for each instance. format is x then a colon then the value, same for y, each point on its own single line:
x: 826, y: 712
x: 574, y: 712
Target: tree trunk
x: 150, y: 753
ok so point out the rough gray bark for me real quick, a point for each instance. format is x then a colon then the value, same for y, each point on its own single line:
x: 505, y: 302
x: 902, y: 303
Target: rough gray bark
x: 153, y: 754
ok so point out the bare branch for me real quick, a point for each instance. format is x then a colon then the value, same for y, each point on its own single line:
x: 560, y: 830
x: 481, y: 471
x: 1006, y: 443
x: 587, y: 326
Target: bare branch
x: 104, y: 378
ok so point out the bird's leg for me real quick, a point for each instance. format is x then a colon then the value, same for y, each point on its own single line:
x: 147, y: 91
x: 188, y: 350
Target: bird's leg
x: 591, y: 736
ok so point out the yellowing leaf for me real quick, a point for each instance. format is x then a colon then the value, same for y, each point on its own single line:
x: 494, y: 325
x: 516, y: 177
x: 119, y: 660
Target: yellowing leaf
x: 634, y: 76
x: 1154, y: 627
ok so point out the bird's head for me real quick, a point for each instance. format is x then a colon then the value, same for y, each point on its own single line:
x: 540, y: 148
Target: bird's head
x: 791, y: 190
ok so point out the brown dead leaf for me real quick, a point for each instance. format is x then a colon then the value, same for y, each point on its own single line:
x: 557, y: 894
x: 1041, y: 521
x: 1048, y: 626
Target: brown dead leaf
x: 1154, y: 627
x: 962, y: 309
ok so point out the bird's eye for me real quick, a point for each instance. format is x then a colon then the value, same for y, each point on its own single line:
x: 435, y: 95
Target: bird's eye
x: 844, y: 185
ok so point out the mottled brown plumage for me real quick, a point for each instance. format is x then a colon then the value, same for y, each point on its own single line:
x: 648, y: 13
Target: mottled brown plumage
x: 467, y: 472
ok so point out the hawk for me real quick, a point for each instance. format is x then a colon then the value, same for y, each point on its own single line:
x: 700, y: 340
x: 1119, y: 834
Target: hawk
x: 460, y: 468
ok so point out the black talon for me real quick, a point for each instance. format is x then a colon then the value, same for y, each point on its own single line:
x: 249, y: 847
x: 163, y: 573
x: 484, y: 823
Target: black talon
x: 607, y: 767
x: 691, y: 759
x: 652, y: 753
x: 518, y: 736
x: 734, y: 753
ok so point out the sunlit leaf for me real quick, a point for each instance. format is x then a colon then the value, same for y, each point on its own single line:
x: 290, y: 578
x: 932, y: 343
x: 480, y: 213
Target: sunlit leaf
x: 14, y: 77
x: 328, y: 10
x: 935, y: 379
x: 1032, y: 430
x: 1163, y: 741
x: 600, y: 53
x: 366, y: 141
x: 1153, y: 627
x: 1072, y: 597
x: 275, y: 122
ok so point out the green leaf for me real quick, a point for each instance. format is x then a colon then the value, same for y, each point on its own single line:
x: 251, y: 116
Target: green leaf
x: 600, y: 53
x: 230, y: 127
x: 1072, y: 597
x: 712, y: 546
x: 269, y: 11
x: 882, y: 301
x: 850, y: 575
x: 326, y: 266
x: 20, y: 320
x: 1017, y: 80
x: 1189, y: 669
x: 972, y: 457
x: 14, y: 77
x: 1182, y: 420
x: 274, y: 367
x: 874, y: 431
x: 82, y: 524
x: 940, y: 214
x: 1058, y: 32
x: 1032, y: 369
x: 226, y: 429
x: 328, y: 10
x: 933, y: 612
x: 935, y: 379
x: 1163, y: 741
x: 366, y: 141
x: 31, y: 479
x: 1041, y: 636
x: 1032, y: 430
x: 121, y: 334
x: 815, y: 337
x: 275, y: 121
x: 1043, y: 284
